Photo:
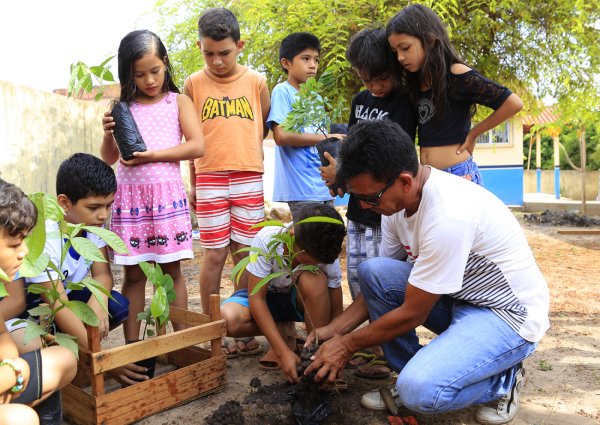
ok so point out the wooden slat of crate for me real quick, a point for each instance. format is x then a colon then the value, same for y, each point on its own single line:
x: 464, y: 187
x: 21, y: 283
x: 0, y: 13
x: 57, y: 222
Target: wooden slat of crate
x: 187, y: 356
x: 78, y: 406
x: 110, y: 359
x: 190, y: 318
x: 84, y: 374
x: 138, y: 401
x: 579, y: 232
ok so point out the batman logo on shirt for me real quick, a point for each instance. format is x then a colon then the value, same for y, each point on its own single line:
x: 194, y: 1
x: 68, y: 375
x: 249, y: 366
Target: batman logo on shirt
x: 226, y: 108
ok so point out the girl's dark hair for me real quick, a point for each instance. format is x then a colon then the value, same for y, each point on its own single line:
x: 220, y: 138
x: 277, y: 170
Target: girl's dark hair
x: 421, y: 22
x: 18, y: 215
x: 134, y: 46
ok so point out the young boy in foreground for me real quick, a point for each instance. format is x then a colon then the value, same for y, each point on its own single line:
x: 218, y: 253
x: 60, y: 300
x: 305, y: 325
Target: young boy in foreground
x: 313, y: 298
x: 33, y: 377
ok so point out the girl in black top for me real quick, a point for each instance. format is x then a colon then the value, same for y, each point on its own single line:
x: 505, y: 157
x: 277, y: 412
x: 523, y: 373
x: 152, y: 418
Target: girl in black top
x: 445, y: 91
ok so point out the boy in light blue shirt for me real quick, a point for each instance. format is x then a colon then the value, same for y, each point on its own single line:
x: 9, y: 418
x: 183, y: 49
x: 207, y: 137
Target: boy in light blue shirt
x: 297, y: 177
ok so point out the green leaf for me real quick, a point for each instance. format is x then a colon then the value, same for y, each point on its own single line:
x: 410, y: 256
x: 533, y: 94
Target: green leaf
x: 42, y: 310
x: 308, y: 268
x: 248, y: 249
x: 33, y: 267
x: 150, y: 271
x: 53, y: 266
x: 83, y: 312
x: 320, y: 219
x: 32, y: 331
x: 239, y: 268
x: 268, y: 223
x: 37, y: 288
x: 67, y: 341
x: 97, y: 291
x: 52, y: 209
x: 159, y: 302
x: 114, y: 241
x: 266, y: 280
x: 87, y: 249
x: 36, y: 240
x: 144, y: 316
x: 107, y: 60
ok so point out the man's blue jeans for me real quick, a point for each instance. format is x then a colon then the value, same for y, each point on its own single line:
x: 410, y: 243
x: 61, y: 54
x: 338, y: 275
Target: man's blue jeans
x: 473, y: 360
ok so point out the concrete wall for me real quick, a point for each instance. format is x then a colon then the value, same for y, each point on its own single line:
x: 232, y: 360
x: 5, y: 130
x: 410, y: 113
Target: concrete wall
x: 39, y: 130
x: 570, y: 183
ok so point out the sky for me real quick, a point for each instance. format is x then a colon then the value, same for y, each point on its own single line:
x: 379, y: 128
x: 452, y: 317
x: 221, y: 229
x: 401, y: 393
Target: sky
x: 40, y: 39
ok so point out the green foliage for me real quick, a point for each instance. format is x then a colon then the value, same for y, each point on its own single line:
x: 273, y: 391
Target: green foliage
x: 284, y: 260
x: 38, y: 262
x: 569, y: 137
x: 311, y: 109
x: 552, y: 48
x: 85, y: 78
x: 157, y: 313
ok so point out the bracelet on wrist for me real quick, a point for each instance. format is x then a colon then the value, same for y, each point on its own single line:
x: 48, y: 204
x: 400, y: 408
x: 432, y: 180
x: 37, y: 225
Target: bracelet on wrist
x: 19, y: 386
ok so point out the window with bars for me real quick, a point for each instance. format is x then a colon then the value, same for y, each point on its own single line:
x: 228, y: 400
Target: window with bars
x: 498, y: 135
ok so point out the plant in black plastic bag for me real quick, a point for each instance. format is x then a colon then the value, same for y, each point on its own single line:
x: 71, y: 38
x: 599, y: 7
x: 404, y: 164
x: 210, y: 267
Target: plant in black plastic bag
x: 126, y: 132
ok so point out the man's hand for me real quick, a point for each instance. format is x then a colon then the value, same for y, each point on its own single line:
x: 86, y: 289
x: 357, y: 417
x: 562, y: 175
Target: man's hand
x: 129, y: 374
x: 289, y: 363
x: 320, y: 334
x: 330, y: 359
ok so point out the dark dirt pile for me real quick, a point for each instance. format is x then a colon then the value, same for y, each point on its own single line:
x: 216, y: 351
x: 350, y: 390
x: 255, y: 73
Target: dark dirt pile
x: 561, y: 218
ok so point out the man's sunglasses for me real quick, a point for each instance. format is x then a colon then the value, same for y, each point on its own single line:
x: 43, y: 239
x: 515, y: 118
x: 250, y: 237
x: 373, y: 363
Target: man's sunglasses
x: 374, y: 200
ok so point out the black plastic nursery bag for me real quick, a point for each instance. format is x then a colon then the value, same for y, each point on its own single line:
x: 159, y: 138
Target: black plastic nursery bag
x: 332, y: 146
x: 126, y: 132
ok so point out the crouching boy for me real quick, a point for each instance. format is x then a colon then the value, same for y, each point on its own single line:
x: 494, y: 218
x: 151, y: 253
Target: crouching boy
x: 30, y: 378
x: 313, y: 298
x: 85, y: 188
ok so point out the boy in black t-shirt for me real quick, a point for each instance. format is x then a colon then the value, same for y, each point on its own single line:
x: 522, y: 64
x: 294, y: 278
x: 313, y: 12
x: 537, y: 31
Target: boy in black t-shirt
x: 370, y: 55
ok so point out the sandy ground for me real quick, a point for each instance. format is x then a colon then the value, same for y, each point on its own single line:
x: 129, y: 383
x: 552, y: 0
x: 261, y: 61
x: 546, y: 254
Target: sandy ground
x: 563, y: 374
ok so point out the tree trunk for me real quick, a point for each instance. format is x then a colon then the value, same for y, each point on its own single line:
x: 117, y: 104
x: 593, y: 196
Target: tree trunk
x: 582, y: 154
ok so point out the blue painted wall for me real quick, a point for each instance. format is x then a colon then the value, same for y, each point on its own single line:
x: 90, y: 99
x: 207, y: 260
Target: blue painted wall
x: 506, y: 182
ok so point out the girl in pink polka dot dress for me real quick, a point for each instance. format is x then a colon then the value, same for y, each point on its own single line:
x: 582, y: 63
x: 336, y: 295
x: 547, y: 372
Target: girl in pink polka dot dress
x: 151, y: 211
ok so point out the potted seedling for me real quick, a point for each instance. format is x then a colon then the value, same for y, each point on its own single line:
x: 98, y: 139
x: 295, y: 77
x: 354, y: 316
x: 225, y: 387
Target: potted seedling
x: 37, y: 262
x: 312, y: 109
x: 156, y: 315
x: 126, y: 133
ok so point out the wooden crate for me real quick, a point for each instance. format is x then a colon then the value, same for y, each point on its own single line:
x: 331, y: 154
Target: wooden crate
x: 197, y: 372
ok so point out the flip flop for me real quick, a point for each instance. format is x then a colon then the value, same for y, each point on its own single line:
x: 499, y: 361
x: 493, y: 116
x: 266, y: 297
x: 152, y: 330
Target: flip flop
x: 378, y: 361
x: 226, y: 346
x: 366, y: 355
x: 270, y: 361
x: 245, y: 341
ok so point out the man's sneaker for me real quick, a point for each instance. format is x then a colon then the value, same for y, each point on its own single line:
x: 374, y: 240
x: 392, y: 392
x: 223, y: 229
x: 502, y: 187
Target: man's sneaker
x: 374, y: 400
x: 506, y: 407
